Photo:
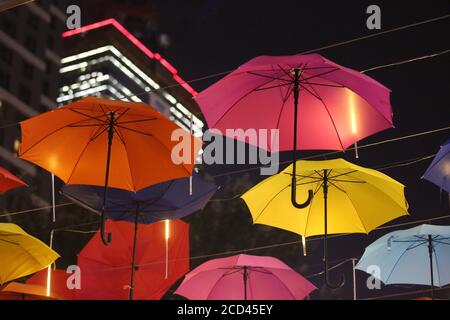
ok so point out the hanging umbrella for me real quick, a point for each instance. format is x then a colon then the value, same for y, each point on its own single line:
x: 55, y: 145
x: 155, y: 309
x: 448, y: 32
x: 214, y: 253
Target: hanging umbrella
x: 9, y: 181
x: 22, y: 291
x: 57, y: 286
x: 165, y: 201
x: 347, y: 199
x: 314, y: 102
x: 108, y: 143
x: 420, y: 255
x: 21, y: 254
x: 106, y: 273
x: 244, y: 277
x: 439, y: 170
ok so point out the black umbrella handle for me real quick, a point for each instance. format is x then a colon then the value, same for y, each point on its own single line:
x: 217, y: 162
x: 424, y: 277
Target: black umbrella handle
x: 111, y: 118
x: 106, y: 238
x: 294, y: 196
x: 296, y: 89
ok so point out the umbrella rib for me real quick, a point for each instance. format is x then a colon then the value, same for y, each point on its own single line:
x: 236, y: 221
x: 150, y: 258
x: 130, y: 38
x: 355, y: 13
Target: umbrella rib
x: 266, y: 76
x: 343, y: 174
x: 46, y: 136
x: 78, y: 160
x: 134, y: 121
x: 339, y: 188
x: 272, y: 87
x: 329, y: 115
x: 88, y: 116
x: 325, y: 84
x: 320, y: 74
x: 241, y: 98
x: 356, y: 212
x: 268, y: 203
x: 395, y: 265
x: 285, y: 99
x: 134, y: 130
x: 309, y: 209
x: 9, y: 242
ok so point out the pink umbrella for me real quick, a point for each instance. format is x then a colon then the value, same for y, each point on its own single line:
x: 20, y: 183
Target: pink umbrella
x: 244, y: 277
x: 315, y: 103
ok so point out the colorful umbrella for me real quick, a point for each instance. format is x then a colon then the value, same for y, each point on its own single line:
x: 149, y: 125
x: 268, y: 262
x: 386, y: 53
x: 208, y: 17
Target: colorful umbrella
x: 125, y: 145
x: 420, y: 255
x: 22, y: 291
x: 244, y: 277
x: 106, y: 273
x: 347, y: 199
x: 165, y: 201
x: 21, y: 254
x: 9, y: 181
x: 332, y: 106
x: 439, y: 170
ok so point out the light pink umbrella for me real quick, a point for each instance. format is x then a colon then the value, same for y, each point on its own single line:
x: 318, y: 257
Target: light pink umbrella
x: 244, y: 277
x: 309, y: 98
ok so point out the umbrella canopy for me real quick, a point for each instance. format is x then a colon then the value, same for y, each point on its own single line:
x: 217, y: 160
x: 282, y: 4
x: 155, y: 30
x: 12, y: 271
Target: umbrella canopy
x: 22, y: 291
x: 72, y: 143
x: 315, y: 104
x: 21, y: 254
x: 337, y: 106
x: 244, y: 277
x: 420, y: 255
x: 166, y: 200
x: 9, y: 181
x: 58, y: 283
x: 106, y: 272
x: 439, y: 170
x: 347, y: 199
x: 93, y: 141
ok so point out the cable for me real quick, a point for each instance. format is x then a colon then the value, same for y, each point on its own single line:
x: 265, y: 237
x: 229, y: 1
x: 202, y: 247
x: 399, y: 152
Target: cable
x: 406, y: 61
x: 34, y: 210
x: 338, y: 152
x: 238, y: 251
x: 338, y: 44
x: 428, y: 56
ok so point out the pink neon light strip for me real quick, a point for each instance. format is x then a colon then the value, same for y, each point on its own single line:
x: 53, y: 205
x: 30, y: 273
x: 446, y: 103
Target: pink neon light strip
x: 138, y: 44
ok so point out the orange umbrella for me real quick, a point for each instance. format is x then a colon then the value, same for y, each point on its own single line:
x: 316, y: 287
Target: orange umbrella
x: 9, y: 181
x: 22, y: 291
x: 93, y: 141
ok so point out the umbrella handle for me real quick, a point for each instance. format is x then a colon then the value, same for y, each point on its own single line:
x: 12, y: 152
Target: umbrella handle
x: 106, y: 240
x: 294, y: 196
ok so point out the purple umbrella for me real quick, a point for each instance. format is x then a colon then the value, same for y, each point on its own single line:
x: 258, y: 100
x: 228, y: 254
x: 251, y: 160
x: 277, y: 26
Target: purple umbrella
x: 164, y: 201
x: 439, y: 170
x: 244, y: 277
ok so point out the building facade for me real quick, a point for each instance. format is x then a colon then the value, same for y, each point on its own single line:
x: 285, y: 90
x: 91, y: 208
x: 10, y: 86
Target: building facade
x: 30, y: 57
x: 104, y: 59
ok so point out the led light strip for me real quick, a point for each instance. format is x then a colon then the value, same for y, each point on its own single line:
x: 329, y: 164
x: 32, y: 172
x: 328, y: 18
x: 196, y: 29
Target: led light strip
x: 138, y: 44
x: 122, y: 67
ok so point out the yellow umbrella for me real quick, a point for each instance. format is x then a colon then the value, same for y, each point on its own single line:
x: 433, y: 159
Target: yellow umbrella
x: 21, y: 254
x: 347, y: 199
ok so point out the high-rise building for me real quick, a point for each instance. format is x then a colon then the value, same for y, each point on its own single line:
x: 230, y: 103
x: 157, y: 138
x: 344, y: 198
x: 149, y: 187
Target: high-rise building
x: 105, y: 59
x: 30, y: 56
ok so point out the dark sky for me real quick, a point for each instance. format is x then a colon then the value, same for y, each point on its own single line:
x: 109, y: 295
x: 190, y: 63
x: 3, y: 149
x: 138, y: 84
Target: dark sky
x: 210, y: 36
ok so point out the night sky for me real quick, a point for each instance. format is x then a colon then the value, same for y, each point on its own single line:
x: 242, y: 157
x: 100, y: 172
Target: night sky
x: 214, y: 36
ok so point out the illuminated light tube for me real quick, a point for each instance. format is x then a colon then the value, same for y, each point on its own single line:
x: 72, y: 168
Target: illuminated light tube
x: 138, y: 44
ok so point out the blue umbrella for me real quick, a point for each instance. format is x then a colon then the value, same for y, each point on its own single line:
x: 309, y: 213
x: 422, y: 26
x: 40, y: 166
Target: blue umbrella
x: 420, y: 255
x: 439, y: 170
x: 164, y: 201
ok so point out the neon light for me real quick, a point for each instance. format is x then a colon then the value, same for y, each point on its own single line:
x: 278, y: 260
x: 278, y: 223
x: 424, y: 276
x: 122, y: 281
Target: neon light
x: 138, y: 44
